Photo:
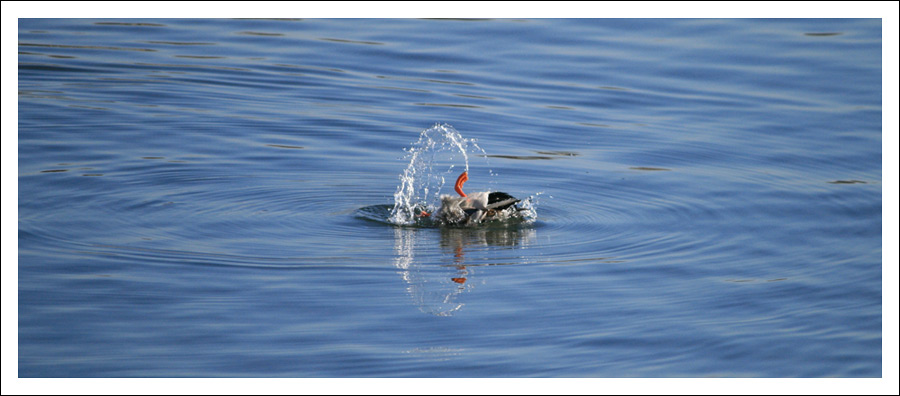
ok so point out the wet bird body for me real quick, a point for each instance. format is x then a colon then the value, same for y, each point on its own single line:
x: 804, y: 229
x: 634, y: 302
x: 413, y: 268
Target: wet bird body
x: 473, y: 208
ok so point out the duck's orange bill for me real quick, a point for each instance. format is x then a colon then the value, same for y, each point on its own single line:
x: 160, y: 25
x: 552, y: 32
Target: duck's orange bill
x: 459, y: 183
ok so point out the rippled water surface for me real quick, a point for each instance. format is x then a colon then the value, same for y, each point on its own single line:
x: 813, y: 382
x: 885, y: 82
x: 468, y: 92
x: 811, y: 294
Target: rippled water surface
x: 208, y: 198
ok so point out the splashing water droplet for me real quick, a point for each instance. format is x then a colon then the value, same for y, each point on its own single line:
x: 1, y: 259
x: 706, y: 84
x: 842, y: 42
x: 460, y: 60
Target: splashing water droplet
x: 431, y: 158
x: 528, y: 208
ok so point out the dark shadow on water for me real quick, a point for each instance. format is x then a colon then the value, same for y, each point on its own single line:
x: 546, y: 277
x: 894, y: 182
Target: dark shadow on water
x: 823, y: 34
x: 143, y: 24
x: 337, y: 40
x: 520, y: 157
x: 847, y: 182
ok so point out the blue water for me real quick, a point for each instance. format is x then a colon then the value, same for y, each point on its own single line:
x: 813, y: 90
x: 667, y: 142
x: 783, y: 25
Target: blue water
x: 207, y: 198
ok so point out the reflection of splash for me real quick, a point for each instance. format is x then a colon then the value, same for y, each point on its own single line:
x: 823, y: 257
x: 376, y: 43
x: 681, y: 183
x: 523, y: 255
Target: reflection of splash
x: 431, y: 286
x: 436, y: 353
x: 436, y: 284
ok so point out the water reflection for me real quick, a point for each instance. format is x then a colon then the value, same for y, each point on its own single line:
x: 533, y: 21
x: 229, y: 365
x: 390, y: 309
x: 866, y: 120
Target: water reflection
x: 436, y: 279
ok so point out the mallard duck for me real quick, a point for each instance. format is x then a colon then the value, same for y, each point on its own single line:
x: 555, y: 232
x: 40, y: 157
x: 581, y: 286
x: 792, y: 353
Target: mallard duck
x: 476, y: 207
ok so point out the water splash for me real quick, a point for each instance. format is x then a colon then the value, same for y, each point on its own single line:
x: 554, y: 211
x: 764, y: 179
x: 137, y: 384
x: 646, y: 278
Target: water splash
x: 528, y: 208
x: 432, y: 160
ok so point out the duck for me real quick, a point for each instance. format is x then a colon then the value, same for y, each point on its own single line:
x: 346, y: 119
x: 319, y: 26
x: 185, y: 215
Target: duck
x: 476, y: 207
